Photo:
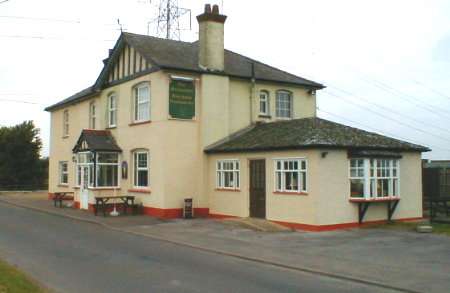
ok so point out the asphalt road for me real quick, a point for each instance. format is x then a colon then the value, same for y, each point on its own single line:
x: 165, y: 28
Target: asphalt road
x: 70, y: 256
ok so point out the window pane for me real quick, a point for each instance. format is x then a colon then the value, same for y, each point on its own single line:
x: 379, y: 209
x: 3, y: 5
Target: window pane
x: 142, y: 160
x: 108, y: 157
x: 304, y: 187
x: 107, y: 175
x: 357, y: 188
x: 142, y: 178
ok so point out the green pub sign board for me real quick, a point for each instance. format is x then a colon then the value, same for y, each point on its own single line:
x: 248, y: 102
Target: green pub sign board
x: 182, y: 99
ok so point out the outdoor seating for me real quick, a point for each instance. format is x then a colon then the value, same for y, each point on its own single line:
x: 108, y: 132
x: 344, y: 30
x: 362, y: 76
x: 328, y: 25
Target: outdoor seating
x: 59, y: 197
x: 102, y: 203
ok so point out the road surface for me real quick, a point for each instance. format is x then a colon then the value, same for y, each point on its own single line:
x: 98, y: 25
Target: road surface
x: 71, y: 256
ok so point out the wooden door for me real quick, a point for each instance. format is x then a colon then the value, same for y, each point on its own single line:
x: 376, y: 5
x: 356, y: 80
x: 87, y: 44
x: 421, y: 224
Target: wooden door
x: 258, y: 188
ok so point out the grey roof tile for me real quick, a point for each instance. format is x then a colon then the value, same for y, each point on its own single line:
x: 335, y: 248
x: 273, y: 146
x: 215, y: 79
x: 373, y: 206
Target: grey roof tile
x: 308, y: 133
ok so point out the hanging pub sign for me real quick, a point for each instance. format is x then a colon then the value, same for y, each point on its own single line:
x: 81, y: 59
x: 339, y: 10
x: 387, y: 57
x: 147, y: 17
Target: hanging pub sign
x: 182, y: 98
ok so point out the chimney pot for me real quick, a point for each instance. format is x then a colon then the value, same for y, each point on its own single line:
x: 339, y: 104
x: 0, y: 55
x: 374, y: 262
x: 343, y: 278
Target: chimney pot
x: 215, y: 9
x: 208, y: 8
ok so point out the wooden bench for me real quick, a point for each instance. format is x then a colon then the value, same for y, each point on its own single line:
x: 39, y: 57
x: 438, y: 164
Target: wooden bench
x: 59, y: 197
x: 102, y: 202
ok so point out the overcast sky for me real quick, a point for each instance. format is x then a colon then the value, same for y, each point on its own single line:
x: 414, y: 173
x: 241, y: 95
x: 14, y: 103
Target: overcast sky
x: 386, y: 64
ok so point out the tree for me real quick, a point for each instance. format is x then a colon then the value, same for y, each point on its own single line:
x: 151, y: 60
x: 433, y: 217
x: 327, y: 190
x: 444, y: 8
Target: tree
x: 20, y: 165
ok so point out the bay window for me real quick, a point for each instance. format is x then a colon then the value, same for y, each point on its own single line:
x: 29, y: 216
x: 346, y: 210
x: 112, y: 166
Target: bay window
x: 107, y: 170
x: 227, y: 174
x: 141, y: 169
x: 290, y: 175
x: 142, y: 103
x: 374, y: 178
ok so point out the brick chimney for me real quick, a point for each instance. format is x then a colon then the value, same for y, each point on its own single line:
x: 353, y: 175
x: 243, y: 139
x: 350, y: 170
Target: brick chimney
x: 211, y: 39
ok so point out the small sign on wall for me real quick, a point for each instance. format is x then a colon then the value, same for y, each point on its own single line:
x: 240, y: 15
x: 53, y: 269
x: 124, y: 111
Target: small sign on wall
x: 124, y: 168
x: 182, y: 98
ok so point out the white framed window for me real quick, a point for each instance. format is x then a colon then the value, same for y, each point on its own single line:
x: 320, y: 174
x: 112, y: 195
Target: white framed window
x: 142, y: 102
x: 228, y: 174
x: 291, y: 175
x: 283, y: 104
x: 112, y: 110
x: 66, y: 123
x: 264, y: 103
x: 107, y: 170
x: 63, y: 173
x: 92, y: 115
x: 141, y: 169
x: 374, y: 178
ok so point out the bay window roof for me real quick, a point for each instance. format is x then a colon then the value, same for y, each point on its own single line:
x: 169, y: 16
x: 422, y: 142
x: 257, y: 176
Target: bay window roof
x: 96, y: 140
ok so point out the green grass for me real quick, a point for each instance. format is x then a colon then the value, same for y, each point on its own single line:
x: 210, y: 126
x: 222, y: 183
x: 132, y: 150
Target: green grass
x: 14, y: 281
x: 411, y: 226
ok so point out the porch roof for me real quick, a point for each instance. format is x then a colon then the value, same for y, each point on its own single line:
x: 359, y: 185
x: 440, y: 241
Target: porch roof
x: 96, y: 140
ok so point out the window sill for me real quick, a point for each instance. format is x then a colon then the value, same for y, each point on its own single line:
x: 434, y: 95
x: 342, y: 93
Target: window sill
x: 76, y: 187
x: 381, y: 199
x: 228, y: 189
x: 111, y: 127
x: 140, y: 122
x: 63, y: 185
x: 264, y: 116
x: 103, y: 188
x: 139, y: 190
x: 290, y: 193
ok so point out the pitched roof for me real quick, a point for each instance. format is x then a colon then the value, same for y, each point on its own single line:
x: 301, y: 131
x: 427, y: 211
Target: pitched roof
x: 183, y: 56
x: 308, y: 133
x: 170, y: 54
x: 96, y: 140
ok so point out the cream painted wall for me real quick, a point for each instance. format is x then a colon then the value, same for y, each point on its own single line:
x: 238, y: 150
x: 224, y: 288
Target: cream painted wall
x: 244, y: 101
x: 178, y: 166
x: 334, y: 196
x: 279, y: 207
x: 328, y: 186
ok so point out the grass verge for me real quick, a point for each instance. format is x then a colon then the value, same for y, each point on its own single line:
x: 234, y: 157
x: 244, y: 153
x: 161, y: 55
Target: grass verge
x: 438, y: 228
x: 14, y: 281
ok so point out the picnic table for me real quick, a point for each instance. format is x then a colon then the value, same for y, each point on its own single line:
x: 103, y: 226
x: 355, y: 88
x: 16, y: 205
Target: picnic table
x: 59, y: 197
x: 102, y: 201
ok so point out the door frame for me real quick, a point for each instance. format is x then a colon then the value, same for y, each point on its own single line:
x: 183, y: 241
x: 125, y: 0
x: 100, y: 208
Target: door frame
x: 84, y: 187
x: 250, y: 184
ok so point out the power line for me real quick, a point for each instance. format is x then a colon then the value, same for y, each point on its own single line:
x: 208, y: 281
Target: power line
x: 417, y: 102
x: 51, y: 38
x: 387, y: 117
x: 377, y: 130
x: 431, y: 89
x: 40, y: 18
x: 390, y: 110
x: 19, y: 101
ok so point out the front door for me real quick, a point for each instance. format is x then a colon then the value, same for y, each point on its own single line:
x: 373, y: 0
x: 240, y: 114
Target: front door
x: 258, y: 188
x: 84, y: 191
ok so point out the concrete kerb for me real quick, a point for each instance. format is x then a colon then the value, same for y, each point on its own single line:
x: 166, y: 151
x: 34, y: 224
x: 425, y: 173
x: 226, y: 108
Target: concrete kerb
x: 222, y: 252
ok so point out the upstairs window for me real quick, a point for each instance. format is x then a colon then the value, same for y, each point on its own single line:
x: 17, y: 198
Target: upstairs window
x: 264, y: 103
x: 141, y: 169
x: 228, y: 174
x: 284, y: 104
x: 374, y: 178
x: 92, y: 115
x: 290, y: 175
x: 142, y: 103
x: 63, y: 173
x: 112, y: 110
x: 66, y: 123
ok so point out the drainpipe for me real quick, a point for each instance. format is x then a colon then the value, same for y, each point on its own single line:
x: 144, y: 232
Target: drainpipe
x: 252, y: 91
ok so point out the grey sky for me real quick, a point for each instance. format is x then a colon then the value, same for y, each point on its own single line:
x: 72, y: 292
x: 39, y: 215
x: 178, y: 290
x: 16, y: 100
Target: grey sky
x: 392, y: 58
